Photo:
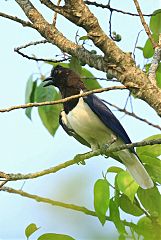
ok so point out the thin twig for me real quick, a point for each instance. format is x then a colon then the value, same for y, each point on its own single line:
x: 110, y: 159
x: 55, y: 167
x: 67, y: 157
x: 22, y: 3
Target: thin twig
x: 146, y: 27
x: 142, y: 209
x: 55, y: 15
x: 59, y: 204
x: 32, y: 44
x: 132, y: 114
x: 127, y: 99
x: 100, y: 90
x: 110, y: 25
x: 16, y: 19
x: 17, y: 49
x: 101, y: 79
x: 107, y: 6
x: 137, y: 38
x: 77, y: 159
x: 3, y: 183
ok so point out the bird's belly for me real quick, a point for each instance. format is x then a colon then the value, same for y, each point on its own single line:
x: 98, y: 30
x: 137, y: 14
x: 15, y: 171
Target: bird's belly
x: 87, y: 124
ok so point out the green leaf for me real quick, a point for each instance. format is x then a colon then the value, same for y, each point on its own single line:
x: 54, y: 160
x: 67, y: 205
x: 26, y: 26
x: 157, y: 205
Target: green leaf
x: 144, y: 227
x: 155, y: 22
x: 150, y: 160
x: 150, y: 230
x: 153, y: 166
x: 49, y: 114
x: 116, y: 192
x: 54, y: 236
x: 29, y: 94
x: 65, y: 65
x: 114, y: 169
x: 127, y: 184
x: 148, y: 50
x: 147, y: 66
x: 75, y: 65
x: 151, y: 150
x: 101, y: 199
x: 84, y: 38
x: 90, y: 81
x: 151, y: 201
x: 127, y: 206
x: 29, y: 87
x: 30, y: 229
x: 115, y: 216
x: 154, y: 172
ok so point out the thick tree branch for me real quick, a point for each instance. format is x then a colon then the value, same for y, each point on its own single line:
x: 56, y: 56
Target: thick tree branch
x: 125, y: 69
x: 77, y: 159
x: 59, y: 204
x: 51, y: 33
x: 27, y: 105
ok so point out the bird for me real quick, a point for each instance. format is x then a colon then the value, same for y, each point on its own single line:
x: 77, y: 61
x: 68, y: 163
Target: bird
x: 92, y: 123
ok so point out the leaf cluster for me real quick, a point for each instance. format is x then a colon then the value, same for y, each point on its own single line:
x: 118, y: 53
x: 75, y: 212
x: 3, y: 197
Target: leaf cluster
x: 148, y: 50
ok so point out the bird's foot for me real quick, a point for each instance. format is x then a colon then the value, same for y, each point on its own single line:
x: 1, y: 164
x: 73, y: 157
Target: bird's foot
x: 104, y: 147
x: 79, y: 160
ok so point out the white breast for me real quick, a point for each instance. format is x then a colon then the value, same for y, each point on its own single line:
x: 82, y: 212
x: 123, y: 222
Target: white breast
x: 86, y: 124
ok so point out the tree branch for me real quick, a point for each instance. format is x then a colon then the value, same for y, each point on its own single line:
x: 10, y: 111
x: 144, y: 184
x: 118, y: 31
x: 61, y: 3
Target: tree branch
x: 34, y: 58
x: 125, y: 69
x: 147, y: 30
x: 16, y: 19
x: 107, y: 6
x: 51, y: 33
x: 132, y: 114
x: 55, y: 15
x: 77, y: 159
x: 58, y: 204
x: 100, y: 90
x: 155, y: 62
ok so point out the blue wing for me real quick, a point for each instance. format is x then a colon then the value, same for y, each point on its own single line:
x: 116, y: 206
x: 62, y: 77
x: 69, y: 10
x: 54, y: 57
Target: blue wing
x: 107, y: 117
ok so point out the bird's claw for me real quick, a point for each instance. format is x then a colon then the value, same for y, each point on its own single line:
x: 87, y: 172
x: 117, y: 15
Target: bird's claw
x: 106, y: 146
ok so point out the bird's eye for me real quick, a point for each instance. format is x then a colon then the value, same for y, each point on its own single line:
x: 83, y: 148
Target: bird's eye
x: 56, y: 72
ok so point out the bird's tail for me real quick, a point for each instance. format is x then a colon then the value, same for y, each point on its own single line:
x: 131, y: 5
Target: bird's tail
x: 136, y: 169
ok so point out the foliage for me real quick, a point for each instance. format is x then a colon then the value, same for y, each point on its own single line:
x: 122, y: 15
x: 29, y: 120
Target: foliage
x: 148, y: 50
x: 32, y: 228
x: 101, y: 199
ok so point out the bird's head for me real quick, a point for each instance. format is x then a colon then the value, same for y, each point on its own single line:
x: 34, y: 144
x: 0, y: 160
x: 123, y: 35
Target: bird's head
x: 64, y: 78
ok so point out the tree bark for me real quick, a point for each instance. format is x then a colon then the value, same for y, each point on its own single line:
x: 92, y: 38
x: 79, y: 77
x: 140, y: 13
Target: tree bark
x: 121, y: 65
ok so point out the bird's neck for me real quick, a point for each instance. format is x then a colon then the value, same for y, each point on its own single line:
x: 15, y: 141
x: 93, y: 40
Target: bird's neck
x: 68, y: 92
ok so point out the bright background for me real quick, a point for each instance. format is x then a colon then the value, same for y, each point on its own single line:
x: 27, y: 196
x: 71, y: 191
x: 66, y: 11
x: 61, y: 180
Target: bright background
x: 26, y: 146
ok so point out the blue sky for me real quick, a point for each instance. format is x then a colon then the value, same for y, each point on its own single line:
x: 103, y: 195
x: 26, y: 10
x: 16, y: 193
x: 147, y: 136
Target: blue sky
x: 26, y: 146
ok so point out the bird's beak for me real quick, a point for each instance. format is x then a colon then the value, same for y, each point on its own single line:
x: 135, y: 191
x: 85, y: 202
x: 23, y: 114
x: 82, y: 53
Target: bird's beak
x: 49, y: 81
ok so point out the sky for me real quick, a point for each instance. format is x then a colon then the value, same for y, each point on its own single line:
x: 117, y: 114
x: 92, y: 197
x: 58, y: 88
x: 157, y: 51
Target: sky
x: 26, y: 146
